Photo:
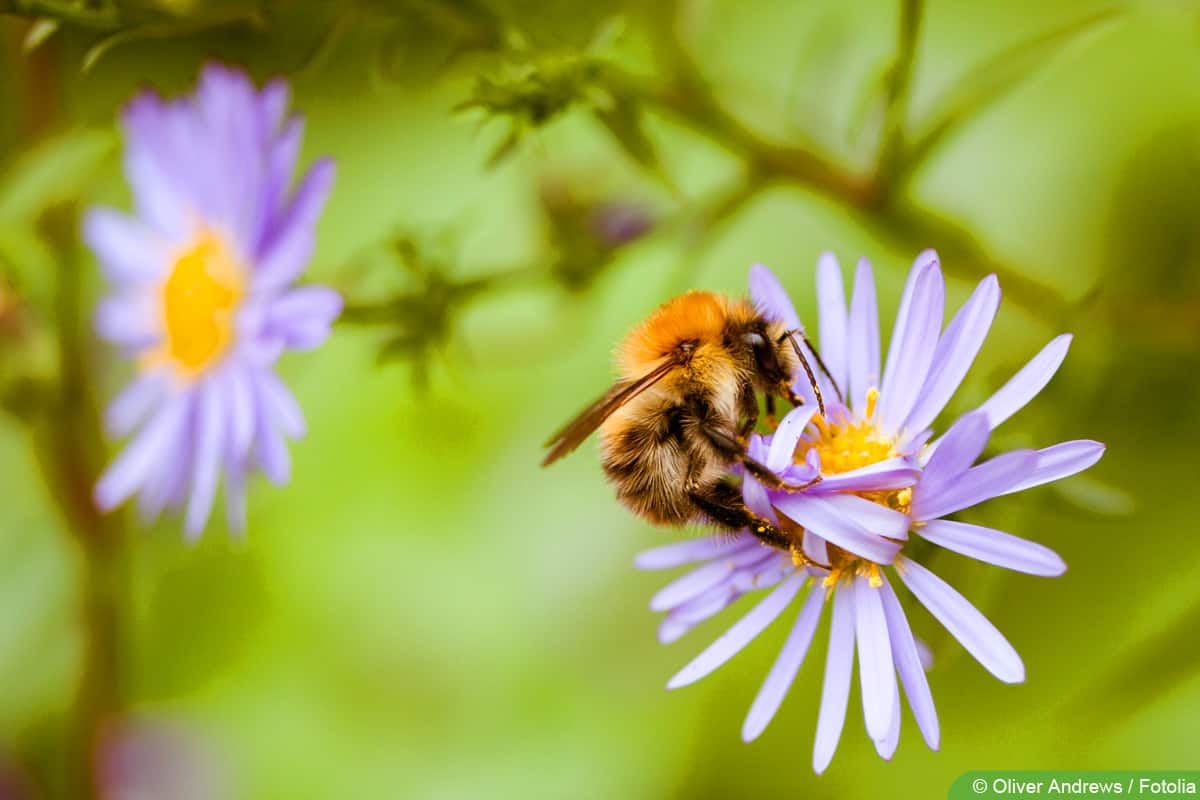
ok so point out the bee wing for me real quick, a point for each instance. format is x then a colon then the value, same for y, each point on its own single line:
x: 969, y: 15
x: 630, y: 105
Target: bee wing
x: 571, y: 435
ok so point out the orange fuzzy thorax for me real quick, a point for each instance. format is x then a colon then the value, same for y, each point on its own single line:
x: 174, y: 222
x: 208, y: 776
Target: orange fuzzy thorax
x: 697, y: 316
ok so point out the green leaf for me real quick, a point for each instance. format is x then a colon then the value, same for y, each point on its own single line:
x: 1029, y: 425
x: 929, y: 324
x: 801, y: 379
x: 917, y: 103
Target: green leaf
x: 623, y: 118
x: 979, y: 88
x: 27, y: 262
x: 52, y: 173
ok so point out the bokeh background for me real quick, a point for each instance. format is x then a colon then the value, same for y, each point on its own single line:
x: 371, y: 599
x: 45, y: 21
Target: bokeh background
x: 424, y: 612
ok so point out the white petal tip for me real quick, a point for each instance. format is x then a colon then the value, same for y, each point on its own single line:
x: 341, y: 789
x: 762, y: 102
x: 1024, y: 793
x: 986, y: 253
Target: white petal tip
x: 1014, y: 677
x: 102, y: 499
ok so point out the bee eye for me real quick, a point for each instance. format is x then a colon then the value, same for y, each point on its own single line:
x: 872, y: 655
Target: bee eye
x: 754, y: 339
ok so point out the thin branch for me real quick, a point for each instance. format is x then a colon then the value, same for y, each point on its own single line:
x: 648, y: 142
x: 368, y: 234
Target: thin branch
x: 897, y: 93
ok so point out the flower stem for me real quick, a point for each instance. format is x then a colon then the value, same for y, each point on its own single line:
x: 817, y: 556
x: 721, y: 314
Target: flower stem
x: 70, y: 453
x: 69, y: 448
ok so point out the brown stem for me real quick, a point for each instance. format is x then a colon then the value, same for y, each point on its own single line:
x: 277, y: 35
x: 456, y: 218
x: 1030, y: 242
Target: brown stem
x: 691, y: 99
x: 70, y: 453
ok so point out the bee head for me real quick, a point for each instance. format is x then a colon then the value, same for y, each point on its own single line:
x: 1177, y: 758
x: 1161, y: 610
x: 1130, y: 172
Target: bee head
x: 762, y: 347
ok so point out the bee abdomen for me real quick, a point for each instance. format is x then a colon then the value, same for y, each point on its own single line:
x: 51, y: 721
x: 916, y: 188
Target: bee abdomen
x: 649, y: 463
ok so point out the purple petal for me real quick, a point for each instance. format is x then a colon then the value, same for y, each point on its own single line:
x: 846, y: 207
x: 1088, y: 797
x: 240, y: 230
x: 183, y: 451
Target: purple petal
x: 963, y: 620
x: 955, y: 353
x: 287, y: 252
x: 814, y: 547
x: 757, y: 498
x: 783, y: 442
x: 873, y: 517
x: 891, y: 473
x: 129, y: 250
x: 771, y: 299
x: 282, y: 405
x: 910, y: 667
x: 923, y: 260
x: 1061, y: 461
x: 990, y: 479
x: 839, y: 662
x: 1025, y: 385
x: 683, y: 618
x: 784, y: 670
x: 270, y: 446
x: 863, y: 337
x: 702, y: 578
x: 765, y: 572
x: 913, y: 344
x: 282, y: 155
x: 956, y: 451
x: 886, y: 747
x: 167, y: 485
x: 994, y: 547
x: 130, y: 408
x: 156, y: 444
x: 680, y: 553
x: 742, y: 633
x: 273, y: 103
x: 925, y: 654
x: 877, y: 675
x: 831, y: 308
x: 772, y: 302
x: 242, y: 412
x: 210, y: 436
x: 149, y: 130
x: 226, y: 107
x: 827, y: 521
x: 128, y: 320
x: 302, y: 317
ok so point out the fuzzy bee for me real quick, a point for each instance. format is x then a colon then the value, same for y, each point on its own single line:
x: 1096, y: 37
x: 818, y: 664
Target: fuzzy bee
x: 677, y: 419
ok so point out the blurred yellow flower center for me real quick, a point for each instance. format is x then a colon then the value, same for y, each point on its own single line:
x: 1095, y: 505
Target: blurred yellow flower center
x: 199, y: 299
x: 845, y: 445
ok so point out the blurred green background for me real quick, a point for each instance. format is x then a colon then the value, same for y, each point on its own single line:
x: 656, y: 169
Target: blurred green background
x: 424, y: 612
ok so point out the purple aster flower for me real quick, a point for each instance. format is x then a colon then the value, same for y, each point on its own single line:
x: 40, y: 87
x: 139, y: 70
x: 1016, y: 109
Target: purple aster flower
x: 202, y: 296
x: 882, y: 478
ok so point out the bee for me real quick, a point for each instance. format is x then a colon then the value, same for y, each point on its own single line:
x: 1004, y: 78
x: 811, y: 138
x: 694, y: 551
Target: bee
x: 679, y: 415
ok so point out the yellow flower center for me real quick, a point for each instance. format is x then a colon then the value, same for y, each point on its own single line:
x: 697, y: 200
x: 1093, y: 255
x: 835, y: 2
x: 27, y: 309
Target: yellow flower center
x: 199, y: 299
x: 844, y: 445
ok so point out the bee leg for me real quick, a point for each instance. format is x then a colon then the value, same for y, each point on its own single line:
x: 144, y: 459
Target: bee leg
x: 773, y: 481
x: 793, y: 398
x: 733, y: 450
x: 723, y: 504
x: 772, y: 420
x: 748, y: 402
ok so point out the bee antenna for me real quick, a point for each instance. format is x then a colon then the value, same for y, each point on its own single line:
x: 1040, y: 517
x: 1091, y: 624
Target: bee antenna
x: 824, y: 369
x: 812, y: 378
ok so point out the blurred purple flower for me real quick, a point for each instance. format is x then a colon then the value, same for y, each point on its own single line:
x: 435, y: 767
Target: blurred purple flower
x: 881, y: 479
x: 617, y: 224
x: 202, y: 294
x: 138, y: 759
